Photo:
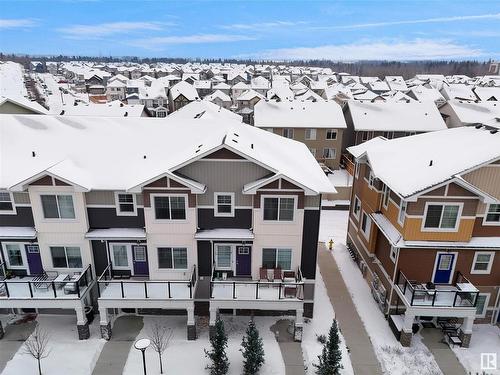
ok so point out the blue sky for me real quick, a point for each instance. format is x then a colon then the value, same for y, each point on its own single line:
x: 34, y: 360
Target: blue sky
x: 338, y: 30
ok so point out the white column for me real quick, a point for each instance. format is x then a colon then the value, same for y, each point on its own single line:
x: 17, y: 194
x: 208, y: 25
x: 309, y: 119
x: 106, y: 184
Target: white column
x: 299, y: 320
x: 190, y: 316
x: 81, y: 319
x: 467, y: 325
x: 408, y: 321
x: 103, y: 314
x: 213, y: 315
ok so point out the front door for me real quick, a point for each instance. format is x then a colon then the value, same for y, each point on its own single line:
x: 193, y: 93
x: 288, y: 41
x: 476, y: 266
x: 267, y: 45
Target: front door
x: 243, y: 261
x: 140, y: 259
x: 34, y: 259
x: 444, y: 268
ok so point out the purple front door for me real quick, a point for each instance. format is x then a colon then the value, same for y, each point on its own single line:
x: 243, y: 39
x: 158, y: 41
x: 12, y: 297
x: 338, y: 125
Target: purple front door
x: 243, y: 261
x: 140, y: 260
x: 34, y: 260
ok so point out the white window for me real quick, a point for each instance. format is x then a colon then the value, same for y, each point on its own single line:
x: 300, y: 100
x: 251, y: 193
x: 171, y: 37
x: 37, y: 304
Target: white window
x: 66, y: 256
x: 313, y: 151
x: 223, y: 257
x: 393, y: 254
x: 120, y: 256
x: 288, y: 133
x: 58, y: 206
x: 492, y: 215
x: 6, y: 203
x: 371, y: 179
x: 170, y: 207
x: 366, y: 224
x: 125, y: 204
x: 278, y: 208
x: 329, y: 153
x: 357, y: 167
x: 440, y: 216
x: 385, y: 200
x: 483, y: 261
x: 277, y: 258
x: 224, y: 204
x: 310, y: 134
x: 402, y: 212
x: 331, y: 134
x: 14, y: 255
x: 356, y: 208
x: 483, y: 299
x: 364, y: 136
x: 172, y: 258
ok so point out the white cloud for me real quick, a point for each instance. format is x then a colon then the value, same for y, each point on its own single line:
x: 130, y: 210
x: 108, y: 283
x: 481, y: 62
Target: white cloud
x: 106, y: 29
x: 16, y: 23
x: 494, y: 16
x: 418, y: 49
x: 157, y: 42
x: 262, y: 25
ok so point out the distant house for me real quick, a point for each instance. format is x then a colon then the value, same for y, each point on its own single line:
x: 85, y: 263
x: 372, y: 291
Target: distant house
x: 181, y: 94
x: 494, y: 67
x: 20, y: 105
x: 220, y: 98
x: 112, y: 109
x: 458, y: 113
x: 116, y: 90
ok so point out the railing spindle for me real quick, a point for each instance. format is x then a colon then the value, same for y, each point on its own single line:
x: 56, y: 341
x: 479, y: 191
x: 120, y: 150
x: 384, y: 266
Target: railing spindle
x: 123, y: 294
x: 31, y: 290
x: 145, y: 289
x: 234, y: 290
x: 54, y: 288
x: 6, y: 289
x: 257, y: 290
x: 169, y: 295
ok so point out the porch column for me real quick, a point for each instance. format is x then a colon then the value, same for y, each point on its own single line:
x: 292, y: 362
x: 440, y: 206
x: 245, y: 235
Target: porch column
x: 465, y: 331
x: 407, y: 332
x: 191, y: 324
x: 213, y: 318
x: 82, y: 324
x: 1, y: 331
x: 105, y: 324
x: 299, y: 324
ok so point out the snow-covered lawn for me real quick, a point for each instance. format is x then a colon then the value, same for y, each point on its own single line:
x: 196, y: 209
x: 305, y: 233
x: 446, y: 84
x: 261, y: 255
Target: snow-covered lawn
x: 187, y: 357
x: 55, y: 100
x: 11, y: 80
x: 395, y: 359
x: 320, y: 325
x: 68, y: 355
x: 340, y: 177
x: 485, y: 339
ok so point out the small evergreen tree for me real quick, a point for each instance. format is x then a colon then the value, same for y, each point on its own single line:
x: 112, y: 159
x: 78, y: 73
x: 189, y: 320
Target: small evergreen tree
x: 219, y: 363
x: 331, y: 356
x: 252, y: 350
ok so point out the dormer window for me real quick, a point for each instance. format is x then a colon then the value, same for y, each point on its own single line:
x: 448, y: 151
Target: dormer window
x: 58, y: 206
x: 224, y: 204
x: 6, y: 203
x: 170, y: 207
x: 279, y: 208
x: 442, y: 216
x: 125, y: 204
x: 492, y: 215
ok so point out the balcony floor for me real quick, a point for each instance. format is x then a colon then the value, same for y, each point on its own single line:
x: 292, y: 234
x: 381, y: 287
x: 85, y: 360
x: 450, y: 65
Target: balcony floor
x: 19, y: 288
x: 445, y: 297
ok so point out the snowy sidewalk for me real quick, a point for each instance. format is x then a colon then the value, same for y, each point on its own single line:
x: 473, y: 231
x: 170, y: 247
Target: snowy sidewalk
x: 15, y: 335
x: 291, y: 351
x: 444, y: 356
x: 363, y: 357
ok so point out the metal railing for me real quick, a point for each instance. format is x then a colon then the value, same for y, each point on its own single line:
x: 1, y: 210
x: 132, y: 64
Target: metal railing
x: 418, y: 294
x: 43, y: 287
x: 348, y: 165
x: 109, y: 288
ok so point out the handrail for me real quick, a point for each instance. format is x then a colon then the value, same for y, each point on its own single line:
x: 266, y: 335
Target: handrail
x: 282, y: 285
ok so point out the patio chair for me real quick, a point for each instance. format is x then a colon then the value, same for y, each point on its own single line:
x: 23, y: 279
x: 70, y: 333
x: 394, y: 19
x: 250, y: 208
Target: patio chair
x: 277, y: 274
x: 289, y: 275
x: 263, y: 276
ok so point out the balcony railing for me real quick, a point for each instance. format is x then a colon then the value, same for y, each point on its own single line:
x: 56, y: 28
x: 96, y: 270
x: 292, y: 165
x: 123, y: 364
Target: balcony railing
x: 46, y: 287
x: 347, y: 164
x: 461, y: 294
x: 109, y: 288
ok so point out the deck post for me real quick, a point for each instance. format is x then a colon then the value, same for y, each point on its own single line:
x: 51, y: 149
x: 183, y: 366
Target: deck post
x: 213, y: 318
x: 299, y: 324
x: 106, y: 331
x: 191, y: 324
x: 82, y: 324
x: 465, y: 331
x: 406, y: 331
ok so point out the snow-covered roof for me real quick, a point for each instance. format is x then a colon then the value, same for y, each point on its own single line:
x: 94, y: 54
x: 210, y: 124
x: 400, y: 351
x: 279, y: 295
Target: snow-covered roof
x: 458, y: 91
x: 224, y: 234
x: 249, y: 95
x: 469, y: 113
x: 116, y: 234
x: 17, y: 233
x: 206, y: 109
x: 110, y: 109
x: 395, y: 116
x: 298, y: 114
x: 25, y: 103
x: 487, y: 93
x: 103, y: 153
x: 185, y: 89
x: 410, y: 165
x: 217, y: 94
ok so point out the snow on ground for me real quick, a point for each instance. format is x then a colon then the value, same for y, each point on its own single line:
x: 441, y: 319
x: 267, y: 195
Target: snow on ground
x: 68, y: 355
x: 52, y: 93
x: 188, y: 357
x: 340, y: 177
x: 11, y: 80
x: 485, y: 339
x: 320, y: 325
x: 395, y: 359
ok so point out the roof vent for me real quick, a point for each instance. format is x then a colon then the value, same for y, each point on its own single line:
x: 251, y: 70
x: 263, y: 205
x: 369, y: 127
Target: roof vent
x: 430, y: 163
x: 494, y: 131
x: 33, y: 154
x: 126, y: 114
x: 62, y: 112
x: 251, y: 146
x: 144, y: 157
x: 478, y: 126
x: 121, y: 104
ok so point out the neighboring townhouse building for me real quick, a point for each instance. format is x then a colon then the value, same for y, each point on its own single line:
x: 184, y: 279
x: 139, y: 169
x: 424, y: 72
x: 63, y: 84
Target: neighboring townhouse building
x: 220, y: 98
x: 319, y: 125
x: 494, y: 67
x: 163, y: 215
x: 20, y: 105
x: 111, y: 109
x: 181, y: 94
x: 462, y: 113
x: 424, y: 228
x: 116, y: 90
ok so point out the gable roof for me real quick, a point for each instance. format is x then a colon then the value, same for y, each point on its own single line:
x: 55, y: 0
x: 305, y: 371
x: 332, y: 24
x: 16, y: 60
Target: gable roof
x: 469, y: 113
x: 24, y: 103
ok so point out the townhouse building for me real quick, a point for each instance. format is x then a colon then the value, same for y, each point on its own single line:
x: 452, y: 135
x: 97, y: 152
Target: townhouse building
x: 424, y: 227
x: 178, y: 215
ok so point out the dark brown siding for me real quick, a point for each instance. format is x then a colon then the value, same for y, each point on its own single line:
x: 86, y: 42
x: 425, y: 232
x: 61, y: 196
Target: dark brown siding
x: 161, y: 182
x: 288, y: 185
x: 223, y: 153
x: 481, y: 230
x: 455, y: 190
x: 44, y: 181
x: 382, y: 251
x: 24, y: 218
x: 310, y: 233
x: 101, y: 218
x: 242, y: 219
x: 272, y: 185
x: 60, y: 183
x: 439, y: 191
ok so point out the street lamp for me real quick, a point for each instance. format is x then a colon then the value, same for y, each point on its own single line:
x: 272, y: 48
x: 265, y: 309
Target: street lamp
x: 142, y: 345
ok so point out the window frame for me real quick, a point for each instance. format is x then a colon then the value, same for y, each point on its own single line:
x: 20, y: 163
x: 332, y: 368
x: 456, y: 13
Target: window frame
x: 313, y: 134
x: 13, y: 211
x: 128, y: 248
x: 489, y: 223
x: 402, y: 203
x: 386, y: 196
x: 366, y: 233
x: 490, y: 263
x: 173, y: 268
x: 288, y: 131
x: 66, y: 256
x: 277, y: 250
x: 393, y: 254
x: 232, y: 261
x: 331, y: 130
x: 58, y: 219
x: 117, y: 203
x: 153, y: 206
x: 24, y: 257
x: 334, y: 152
x: 356, y: 215
x: 278, y: 221
x: 486, y: 303
x: 216, y: 205
x: 439, y: 229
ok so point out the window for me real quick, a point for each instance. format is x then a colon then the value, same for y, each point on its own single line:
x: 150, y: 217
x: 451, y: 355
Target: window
x: 388, y: 135
x: 441, y: 216
x: 288, y: 133
x: 364, y: 136
x: 310, y: 134
x: 492, y: 215
x: 445, y: 261
x: 385, y: 200
x: 357, y: 167
x: 483, y: 261
x: 371, y: 179
x: 356, y: 208
x: 329, y: 153
x: 224, y: 204
x: 119, y: 255
x: 366, y: 224
x: 170, y: 208
x: 393, y: 254
x: 125, y: 204
x: 14, y: 255
x: 172, y: 258
x: 279, y: 209
x: 482, y: 302
x: 66, y: 257
x: 58, y: 206
x: 6, y: 203
x: 331, y: 134
x: 313, y: 151
x: 223, y: 256
x: 277, y: 258
x: 402, y: 212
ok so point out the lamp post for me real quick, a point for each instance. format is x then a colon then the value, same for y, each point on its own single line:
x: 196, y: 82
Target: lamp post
x: 142, y: 345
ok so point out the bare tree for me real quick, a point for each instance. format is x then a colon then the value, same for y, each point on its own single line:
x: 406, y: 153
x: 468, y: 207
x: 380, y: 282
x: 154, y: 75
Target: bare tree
x: 160, y: 337
x: 36, y: 345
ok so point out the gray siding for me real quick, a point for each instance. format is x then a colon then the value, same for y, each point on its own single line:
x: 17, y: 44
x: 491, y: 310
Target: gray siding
x: 312, y: 200
x: 24, y: 218
x: 106, y: 197
x: 21, y: 198
x: 102, y: 218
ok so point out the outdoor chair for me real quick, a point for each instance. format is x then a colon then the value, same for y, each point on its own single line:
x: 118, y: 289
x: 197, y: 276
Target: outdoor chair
x: 277, y: 274
x: 263, y: 275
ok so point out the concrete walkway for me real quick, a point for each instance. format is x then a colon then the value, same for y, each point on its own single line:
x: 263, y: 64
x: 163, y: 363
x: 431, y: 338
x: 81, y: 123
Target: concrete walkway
x: 291, y: 351
x: 363, y: 358
x: 443, y: 355
x: 15, y: 335
x: 115, y: 352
